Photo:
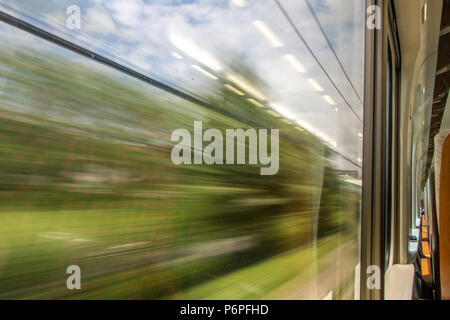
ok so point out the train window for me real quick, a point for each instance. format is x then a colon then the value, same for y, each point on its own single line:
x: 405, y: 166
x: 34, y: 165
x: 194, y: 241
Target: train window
x: 90, y: 100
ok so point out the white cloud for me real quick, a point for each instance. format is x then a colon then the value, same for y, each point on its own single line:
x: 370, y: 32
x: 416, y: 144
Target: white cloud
x: 126, y: 12
x: 97, y: 20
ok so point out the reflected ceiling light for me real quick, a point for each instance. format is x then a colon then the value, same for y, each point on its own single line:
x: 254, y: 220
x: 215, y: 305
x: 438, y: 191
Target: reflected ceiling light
x: 299, y: 129
x: 336, y: 109
x: 315, y: 85
x: 203, y: 71
x: 246, y: 86
x: 256, y: 103
x: 354, y: 181
x: 329, y: 100
x: 273, y: 113
x: 322, y: 136
x: 359, y: 160
x: 176, y: 55
x: 285, y: 112
x: 318, y: 134
x: 240, y: 3
x: 329, y: 141
x: 424, y: 13
x: 233, y: 89
x: 295, y: 63
x: 306, y: 125
x: 195, y: 52
x: 268, y: 33
x: 360, y: 135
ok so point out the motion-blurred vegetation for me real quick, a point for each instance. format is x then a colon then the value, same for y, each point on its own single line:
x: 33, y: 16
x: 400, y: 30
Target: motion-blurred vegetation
x: 86, y: 179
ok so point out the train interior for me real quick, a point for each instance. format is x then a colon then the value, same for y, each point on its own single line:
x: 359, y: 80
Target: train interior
x: 424, y: 150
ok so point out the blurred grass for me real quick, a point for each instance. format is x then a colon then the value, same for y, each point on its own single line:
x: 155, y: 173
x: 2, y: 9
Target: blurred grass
x: 269, y: 279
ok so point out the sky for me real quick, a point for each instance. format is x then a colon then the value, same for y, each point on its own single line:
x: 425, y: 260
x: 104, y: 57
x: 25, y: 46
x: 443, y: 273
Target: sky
x: 191, y: 44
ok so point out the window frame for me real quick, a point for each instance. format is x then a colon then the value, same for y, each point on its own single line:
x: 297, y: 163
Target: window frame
x: 380, y: 151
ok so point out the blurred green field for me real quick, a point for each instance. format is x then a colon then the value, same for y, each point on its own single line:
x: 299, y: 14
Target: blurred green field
x: 126, y: 254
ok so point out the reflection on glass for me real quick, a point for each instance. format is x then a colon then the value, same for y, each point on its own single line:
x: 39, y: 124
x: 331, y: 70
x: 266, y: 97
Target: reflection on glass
x: 86, y: 176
